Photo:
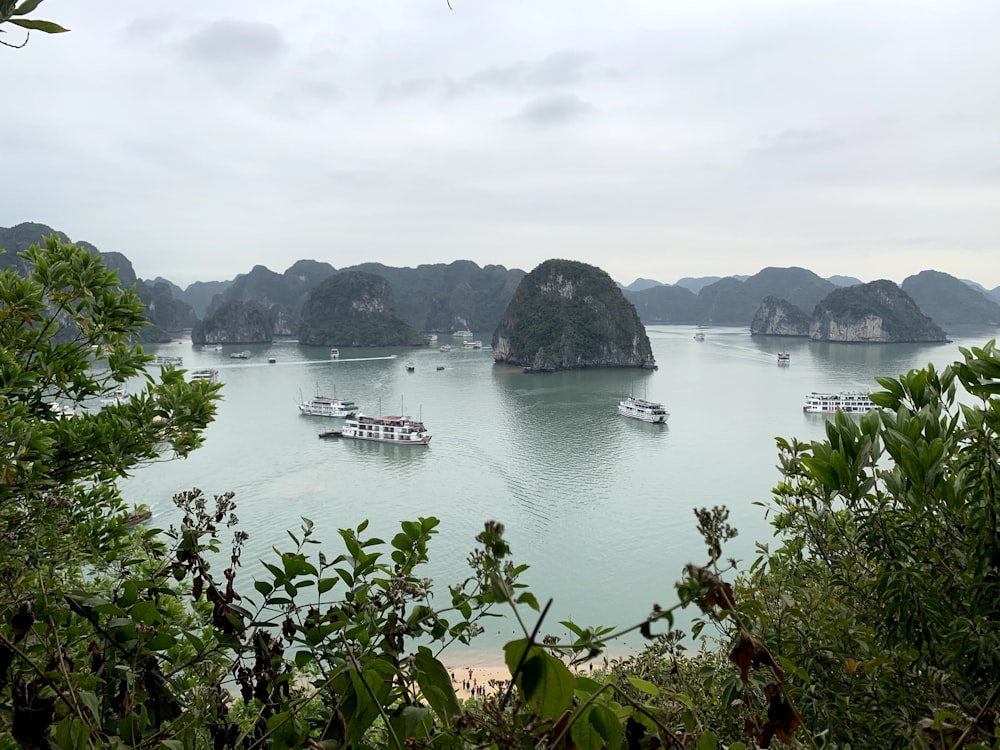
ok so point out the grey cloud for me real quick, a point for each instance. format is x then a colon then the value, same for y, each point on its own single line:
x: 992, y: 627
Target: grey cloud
x: 235, y: 41
x: 797, y: 142
x: 412, y: 87
x: 553, y: 109
x: 556, y: 70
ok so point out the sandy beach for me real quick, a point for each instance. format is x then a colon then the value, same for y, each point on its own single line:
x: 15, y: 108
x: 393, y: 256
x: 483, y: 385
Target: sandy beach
x: 469, y: 675
x: 466, y: 677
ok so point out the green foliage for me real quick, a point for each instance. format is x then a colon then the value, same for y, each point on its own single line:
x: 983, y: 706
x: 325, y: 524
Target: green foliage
x: 884, y: 593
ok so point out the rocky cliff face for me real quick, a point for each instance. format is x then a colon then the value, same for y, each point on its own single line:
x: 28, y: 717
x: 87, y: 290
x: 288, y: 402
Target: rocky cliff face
x: 354, y: 308
x: 569, y: 315
x: 878, y: 312
x: 235, y: 322
x: 779, y: 317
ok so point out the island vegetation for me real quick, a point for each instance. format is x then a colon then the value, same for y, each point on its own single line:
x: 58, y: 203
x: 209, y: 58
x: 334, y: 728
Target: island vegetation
x: 112, y: 635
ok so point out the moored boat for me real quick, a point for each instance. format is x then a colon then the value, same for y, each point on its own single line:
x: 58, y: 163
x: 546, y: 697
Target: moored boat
x: 399, y: 430
x: 113, y: 398
x: 640, y: 408
x: 161, y: 360
x: 849, y: 402
x: 325, y: 406
x: 207, y: 374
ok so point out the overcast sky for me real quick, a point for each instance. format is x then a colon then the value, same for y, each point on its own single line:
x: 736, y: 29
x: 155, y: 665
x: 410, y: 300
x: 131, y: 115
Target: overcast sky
x: 652, y: 138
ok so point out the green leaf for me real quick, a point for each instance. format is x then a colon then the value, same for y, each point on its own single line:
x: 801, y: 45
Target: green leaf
x: 26, y: 7
x: 596, y: 728
x: 46, y: 26
x: 544, y: 681
x: 647, y: 687
x: 435, y: 683
x: 708, y: 741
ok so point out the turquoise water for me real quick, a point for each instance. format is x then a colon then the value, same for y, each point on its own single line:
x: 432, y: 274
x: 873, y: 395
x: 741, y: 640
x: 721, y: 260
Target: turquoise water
x: 598, y: 505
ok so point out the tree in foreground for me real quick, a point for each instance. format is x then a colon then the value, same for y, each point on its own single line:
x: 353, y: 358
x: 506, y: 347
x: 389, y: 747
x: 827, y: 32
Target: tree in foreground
x: 882, y: 596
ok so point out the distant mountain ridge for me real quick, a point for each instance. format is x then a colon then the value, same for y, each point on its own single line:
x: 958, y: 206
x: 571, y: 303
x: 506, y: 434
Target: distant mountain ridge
x: 445, y: 297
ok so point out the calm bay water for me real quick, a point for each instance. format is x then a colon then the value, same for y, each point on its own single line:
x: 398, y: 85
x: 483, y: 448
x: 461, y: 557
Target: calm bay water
x: 598, y: 505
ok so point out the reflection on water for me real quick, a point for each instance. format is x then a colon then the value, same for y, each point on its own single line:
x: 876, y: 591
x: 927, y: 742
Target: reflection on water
x: 600, y: 506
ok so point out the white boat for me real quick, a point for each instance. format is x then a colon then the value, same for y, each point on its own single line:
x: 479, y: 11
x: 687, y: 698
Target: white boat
x: 848, y: 402
x: 464, y: 334
x: 784, y: 358
x: 211, y: 347
x: 62, y: 411
x: 472, y: 344
x: 208, y: 375
x: 245, y: 354
x: 399, y: 430
x: 113, y: 398
x: 432, y: 338
x: 445, y: 348
x: 335, y: 354
x: 410, y: 367
x: 639, y: 408
x: 699, y: 336
x: 161, y: 360
x: 325, y: 406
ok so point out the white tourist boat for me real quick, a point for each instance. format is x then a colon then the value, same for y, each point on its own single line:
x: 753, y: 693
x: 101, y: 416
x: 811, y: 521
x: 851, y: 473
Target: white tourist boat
x: 161, y: 360
x: 335, y: 354
x: 699, y: 336
x: 445, y: 348
x: 325, y: 406
x: 245, y: 354
x: 463, y: 333
x: 472, y: 344
x: 116, y: 397
x: 206, y: 374
x: 398, y: 430
x: 640, y: 408
x: 784, y: 358
x: 856, y: 402
x: 62, y: 411
x: 211, y: 347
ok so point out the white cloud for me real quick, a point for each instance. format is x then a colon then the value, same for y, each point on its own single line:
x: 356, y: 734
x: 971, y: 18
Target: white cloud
x: 655, y: 139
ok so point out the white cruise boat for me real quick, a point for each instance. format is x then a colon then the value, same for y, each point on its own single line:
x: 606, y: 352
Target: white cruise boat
x: 335, y: 353
x: 472, y: 344
x: 325, y: 406
x: 463, y: 334
x: 784, y: 358
x: 208, y: 374
x: 113, y: 398
x: 445, y: 348
x: 848, y: 402
x: 245, y: 354
x: 647, y: 411
x: 399, y: 430
x: 161, y: 360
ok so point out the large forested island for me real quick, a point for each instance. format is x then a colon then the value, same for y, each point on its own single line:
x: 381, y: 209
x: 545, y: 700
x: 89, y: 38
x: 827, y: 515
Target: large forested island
x: 569, y: 315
